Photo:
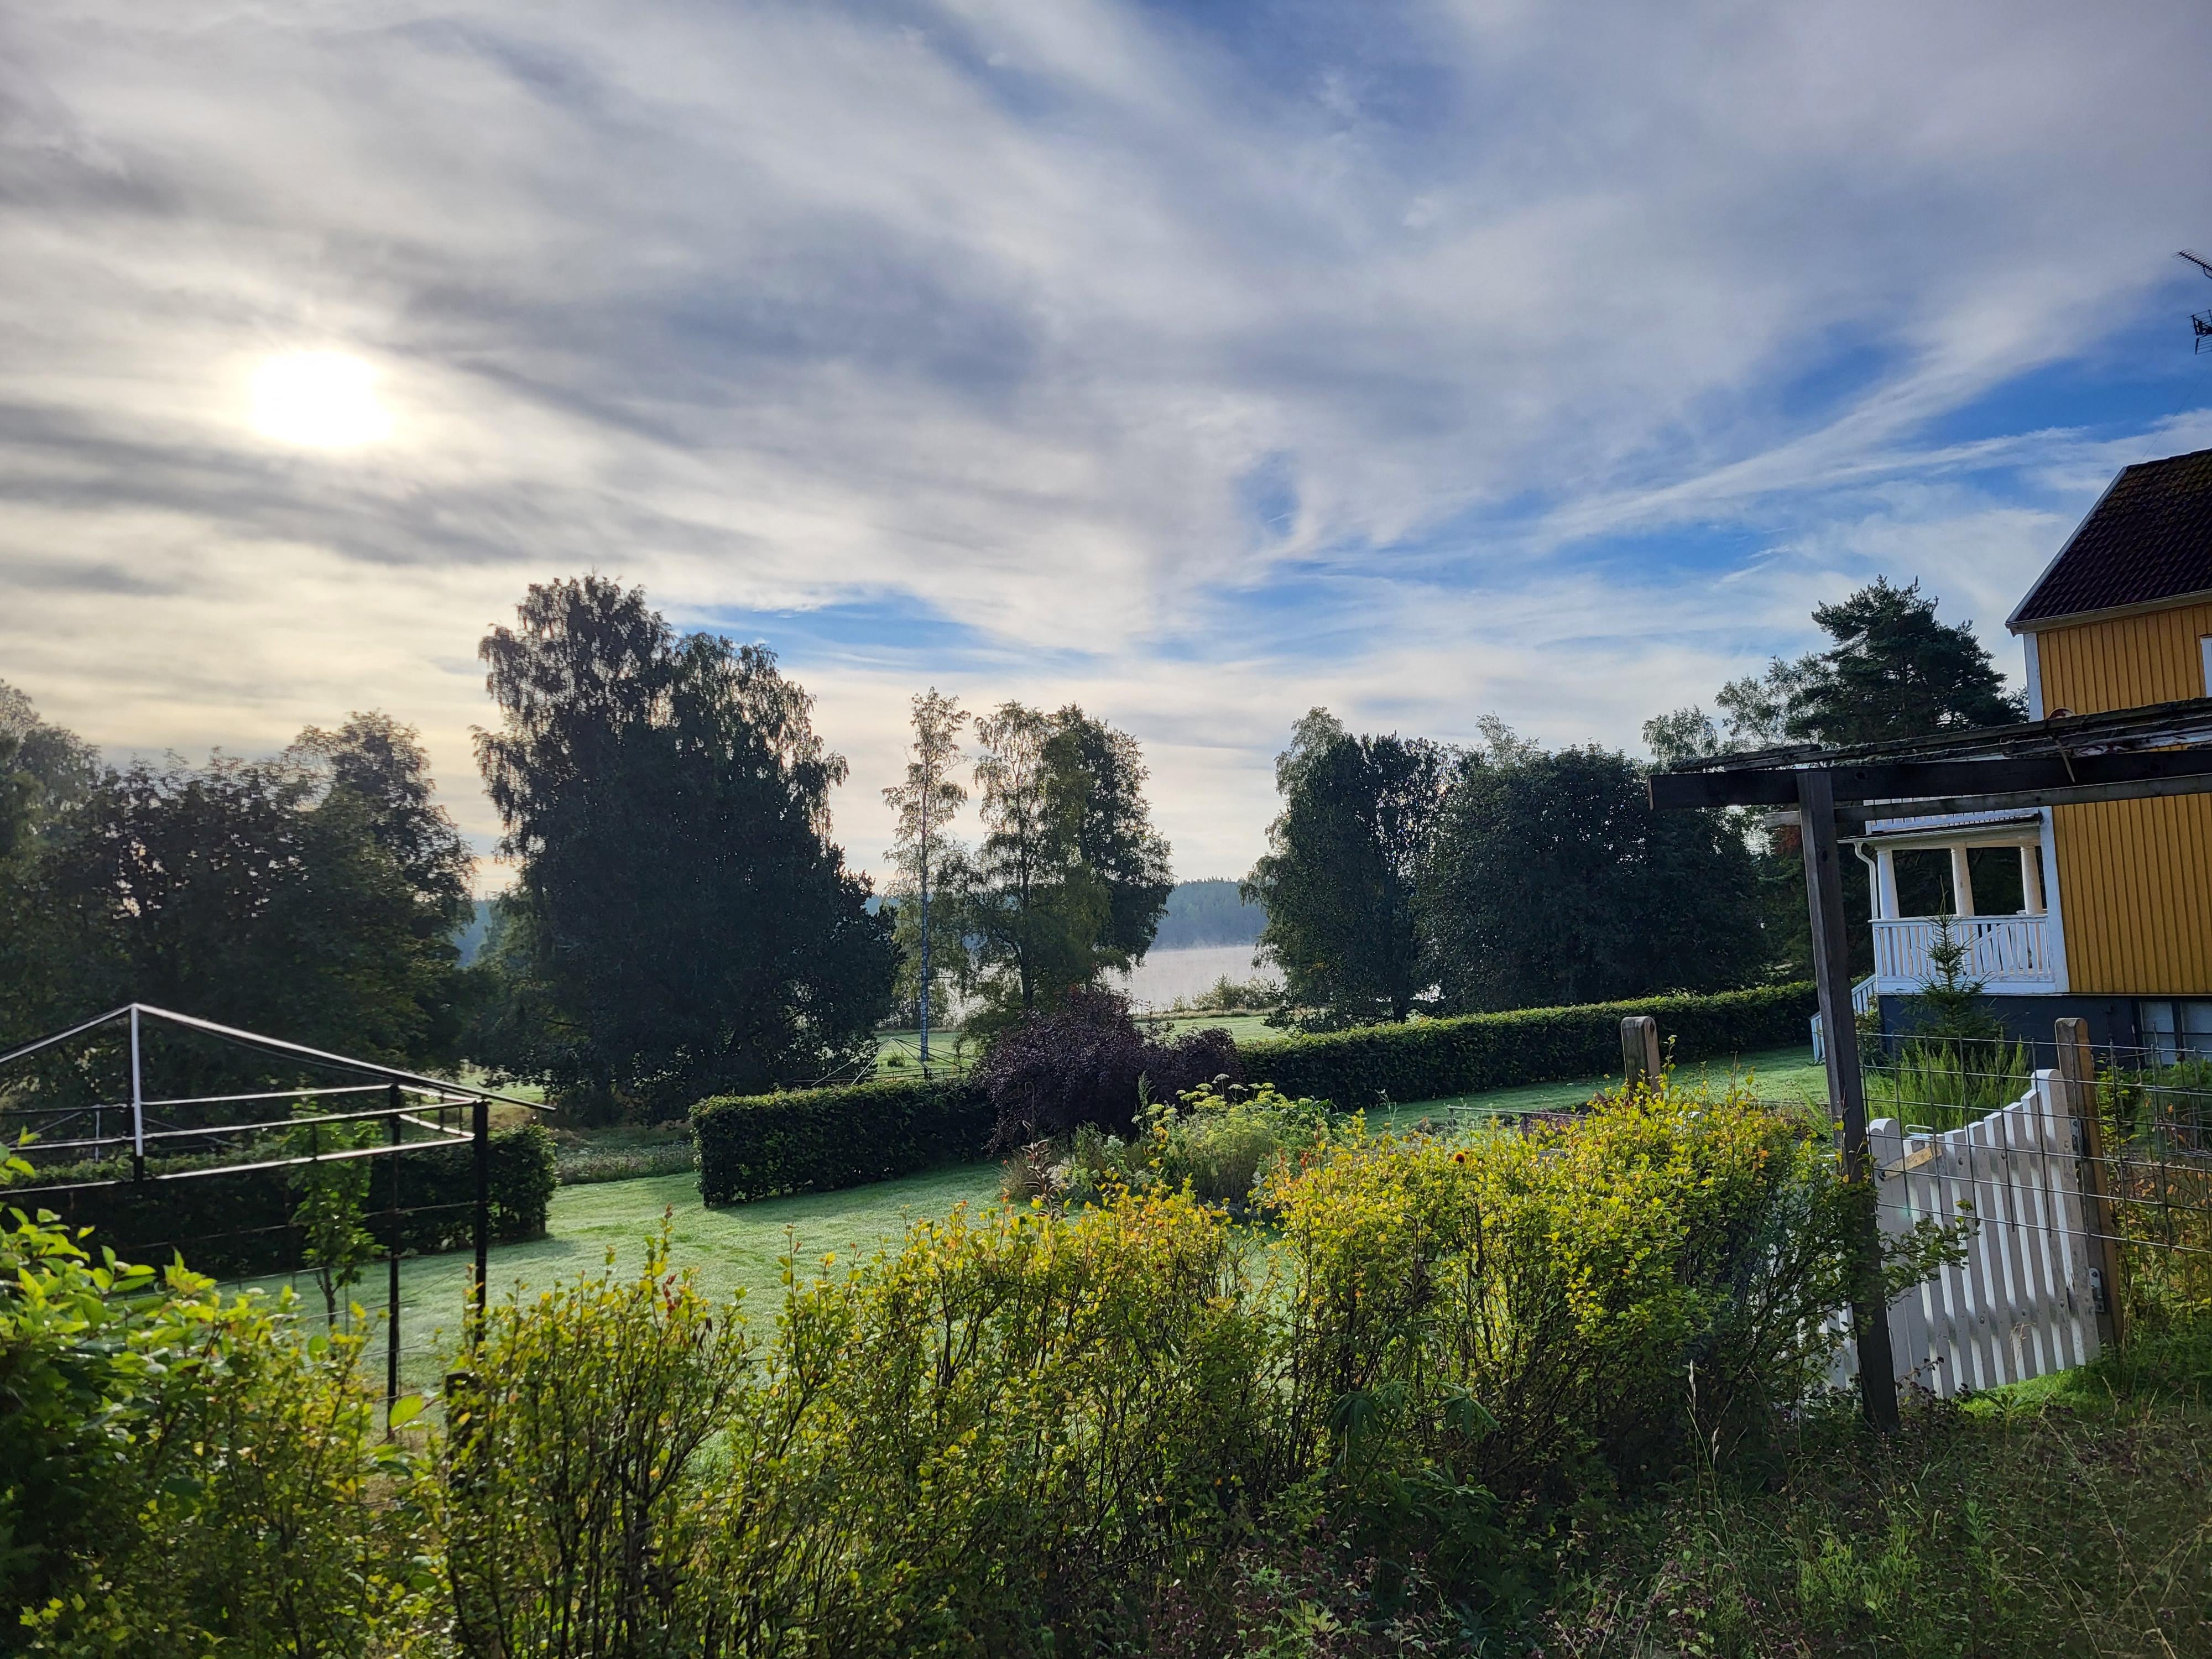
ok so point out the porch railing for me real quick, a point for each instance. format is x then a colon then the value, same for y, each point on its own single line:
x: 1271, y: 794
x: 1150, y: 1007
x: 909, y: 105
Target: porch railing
x: 2001, y: 950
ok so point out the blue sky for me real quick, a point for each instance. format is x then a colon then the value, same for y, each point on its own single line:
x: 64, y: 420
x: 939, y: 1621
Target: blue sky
x: 1199, y: 363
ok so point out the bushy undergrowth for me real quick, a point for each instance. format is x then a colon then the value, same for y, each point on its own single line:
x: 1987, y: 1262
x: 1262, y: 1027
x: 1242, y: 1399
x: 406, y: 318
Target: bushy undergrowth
x: 2076, y: 1522
x: 1218, y: 1143
x: 184, y: 1473
x: 1937, y: 1083
x: 1372, y: 1428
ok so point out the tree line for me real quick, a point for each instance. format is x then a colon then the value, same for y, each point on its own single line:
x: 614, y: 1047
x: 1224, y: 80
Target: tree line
x: 1403, y: 874
x: 682, y: 923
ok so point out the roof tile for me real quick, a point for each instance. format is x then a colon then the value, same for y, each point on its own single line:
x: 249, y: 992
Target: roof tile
x: 2150, y: 538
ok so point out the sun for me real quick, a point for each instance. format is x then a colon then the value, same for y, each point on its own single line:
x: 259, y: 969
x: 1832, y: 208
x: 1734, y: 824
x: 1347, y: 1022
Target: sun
x: 318, y: 400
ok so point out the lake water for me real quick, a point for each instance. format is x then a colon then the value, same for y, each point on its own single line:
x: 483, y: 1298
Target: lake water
x: 1165, y: 975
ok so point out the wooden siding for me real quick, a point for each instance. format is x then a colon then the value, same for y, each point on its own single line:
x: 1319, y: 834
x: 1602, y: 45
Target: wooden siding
x: 2135, y: 876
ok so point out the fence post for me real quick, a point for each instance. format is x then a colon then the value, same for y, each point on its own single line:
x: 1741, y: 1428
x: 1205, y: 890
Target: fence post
x: 482, y: 1128
x: 1639, y: 1049
x: 391, y: 1320
x: 1832, y: 977
x: 2077, y: 1071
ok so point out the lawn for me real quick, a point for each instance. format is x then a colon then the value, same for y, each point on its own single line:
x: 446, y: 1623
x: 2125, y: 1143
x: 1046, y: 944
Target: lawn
x: 742, y: 1247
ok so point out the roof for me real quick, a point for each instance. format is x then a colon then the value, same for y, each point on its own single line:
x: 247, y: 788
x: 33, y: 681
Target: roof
x: 1937, y: 822
x: 2147, y: 540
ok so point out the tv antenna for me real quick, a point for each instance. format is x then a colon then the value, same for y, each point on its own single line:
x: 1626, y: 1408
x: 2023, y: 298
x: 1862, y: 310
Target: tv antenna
x: 2200, y: 321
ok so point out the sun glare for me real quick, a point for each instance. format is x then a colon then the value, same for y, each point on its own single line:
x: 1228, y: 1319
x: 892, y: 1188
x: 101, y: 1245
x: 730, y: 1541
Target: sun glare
x: 319, y: 400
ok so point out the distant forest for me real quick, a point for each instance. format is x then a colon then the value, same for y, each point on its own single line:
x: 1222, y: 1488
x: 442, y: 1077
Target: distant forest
x: 1198, y: 913
x: 1207, y: 913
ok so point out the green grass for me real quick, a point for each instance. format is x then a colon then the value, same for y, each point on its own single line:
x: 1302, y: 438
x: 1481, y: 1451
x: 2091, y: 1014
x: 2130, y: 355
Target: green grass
x: 738, y: 1248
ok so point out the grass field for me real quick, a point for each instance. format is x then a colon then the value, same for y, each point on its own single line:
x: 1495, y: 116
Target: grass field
x: 742, y: 1247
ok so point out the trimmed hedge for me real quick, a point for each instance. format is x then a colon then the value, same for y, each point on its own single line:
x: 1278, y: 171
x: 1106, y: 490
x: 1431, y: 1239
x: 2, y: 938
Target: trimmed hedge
x: 1431, y: 1060
x: 756, y: 1145
x: 822, y: 1139
x: 231, y: 1226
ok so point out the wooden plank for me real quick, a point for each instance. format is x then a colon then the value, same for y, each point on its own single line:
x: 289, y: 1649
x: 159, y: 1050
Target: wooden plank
x: 2054, y: 778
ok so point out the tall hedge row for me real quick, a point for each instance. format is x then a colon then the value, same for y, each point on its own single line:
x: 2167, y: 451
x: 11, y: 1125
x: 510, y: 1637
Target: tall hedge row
x: 821, y: 1139
x: 750, y: 1147
x: 1431, y: 1060
x: 237, y: 1226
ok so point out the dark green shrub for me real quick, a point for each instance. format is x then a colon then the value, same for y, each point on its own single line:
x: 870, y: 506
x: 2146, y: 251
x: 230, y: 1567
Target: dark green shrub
x: 233, y: 1226
x: 1082, y: 1063
x: 754, y: 1145
x: 1431, y: 1060
x: 821, y: 1139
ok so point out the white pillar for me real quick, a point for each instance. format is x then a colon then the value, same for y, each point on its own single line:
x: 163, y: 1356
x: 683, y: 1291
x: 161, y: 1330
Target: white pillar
x: 1962, y: 883
x: 2031, y: 879
x: 1885, y: 861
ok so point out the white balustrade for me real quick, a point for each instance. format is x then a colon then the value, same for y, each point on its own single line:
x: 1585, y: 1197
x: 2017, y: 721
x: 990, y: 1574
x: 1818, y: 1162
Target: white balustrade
x: 2001, y: 950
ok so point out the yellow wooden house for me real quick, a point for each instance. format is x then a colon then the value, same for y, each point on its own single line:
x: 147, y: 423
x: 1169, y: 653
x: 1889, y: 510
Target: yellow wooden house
x: 2102, y: 910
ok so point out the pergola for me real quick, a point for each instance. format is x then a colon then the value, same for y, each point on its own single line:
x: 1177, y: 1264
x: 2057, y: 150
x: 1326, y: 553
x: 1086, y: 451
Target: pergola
x: 2128, y: 754
x: 240, y: 1131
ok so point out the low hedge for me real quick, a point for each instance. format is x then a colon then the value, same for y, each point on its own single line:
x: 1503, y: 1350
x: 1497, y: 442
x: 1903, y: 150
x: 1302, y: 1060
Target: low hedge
x: 754, y: 1146
x: 232, y: 1226
x: 1432, y: 1059
x: 822, y: 1139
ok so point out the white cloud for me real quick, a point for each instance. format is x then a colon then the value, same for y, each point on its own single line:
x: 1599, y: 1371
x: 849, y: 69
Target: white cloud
x: 1202, y: 378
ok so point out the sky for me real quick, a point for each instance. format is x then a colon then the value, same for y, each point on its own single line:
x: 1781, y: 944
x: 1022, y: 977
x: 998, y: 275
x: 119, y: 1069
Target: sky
x: 1199, y: 363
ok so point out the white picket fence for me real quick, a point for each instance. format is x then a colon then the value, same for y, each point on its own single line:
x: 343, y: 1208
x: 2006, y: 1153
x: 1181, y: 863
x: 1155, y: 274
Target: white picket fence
x: 2022, y: 1305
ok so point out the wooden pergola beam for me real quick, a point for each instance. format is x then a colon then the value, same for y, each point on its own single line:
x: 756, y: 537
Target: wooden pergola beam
x: 1917, y: 787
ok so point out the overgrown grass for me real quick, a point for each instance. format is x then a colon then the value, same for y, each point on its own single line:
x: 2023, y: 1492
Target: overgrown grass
x: 2071, y: 1516
x: 1946, y: 1084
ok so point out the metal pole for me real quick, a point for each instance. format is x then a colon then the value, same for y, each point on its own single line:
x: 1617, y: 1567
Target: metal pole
x: 392, y: 1294
x: 482, y: 1127
x: 137, y: 1106
x: 1831, y: 977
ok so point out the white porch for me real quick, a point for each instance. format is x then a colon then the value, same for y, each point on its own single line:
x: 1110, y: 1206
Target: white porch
x: 2019, y: 953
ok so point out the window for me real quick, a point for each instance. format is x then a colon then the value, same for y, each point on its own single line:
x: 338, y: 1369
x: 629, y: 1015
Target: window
x: 2172, y: 1030
x: 2204, y: 652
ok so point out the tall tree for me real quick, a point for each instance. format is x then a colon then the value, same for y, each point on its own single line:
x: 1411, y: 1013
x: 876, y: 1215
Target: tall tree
x: 246, y: 893
x: 1345, y: 857
x: 924, y: 803
x: 1891, y: 671
x: 383, y: 763
x: 681, y: 924
x: 45, y: 774
x: 1071, y: 878
x: 1553, y: 882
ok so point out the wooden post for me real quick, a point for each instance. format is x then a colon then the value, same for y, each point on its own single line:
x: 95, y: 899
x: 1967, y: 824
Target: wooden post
x: 1639, y: 1049
x: 1831, y: 977
x: 2077, y: 1071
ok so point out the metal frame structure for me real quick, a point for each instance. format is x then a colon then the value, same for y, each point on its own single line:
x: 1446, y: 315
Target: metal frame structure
x: 145, y: 1134
x: 2128, y: 754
